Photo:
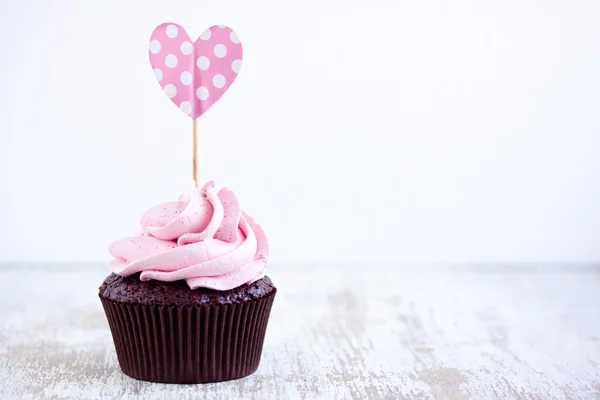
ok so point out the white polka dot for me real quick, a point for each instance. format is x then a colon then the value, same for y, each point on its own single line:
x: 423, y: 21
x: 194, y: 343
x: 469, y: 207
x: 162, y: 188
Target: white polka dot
x: 158, y: 73
x: 186, y: 107
x: 186, y: 48
x: 203, y: 63
x: 220, y: 50
x: 219, y: 80
x: 154, y: 46
x: 222, y: 26
x: 206, y: 34
x: 235, y: 65
x: 170, y: 90
x: 234, y: 37
x: 171, y: 61
x: 202, y: 93
x: 172, y: 31
x: 186, y: 78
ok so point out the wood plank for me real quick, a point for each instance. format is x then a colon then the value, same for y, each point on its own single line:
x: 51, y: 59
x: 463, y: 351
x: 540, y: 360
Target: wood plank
x: 335, y: 332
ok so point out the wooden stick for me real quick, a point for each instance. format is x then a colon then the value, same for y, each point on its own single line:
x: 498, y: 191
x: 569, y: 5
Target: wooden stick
x: 195, y: 150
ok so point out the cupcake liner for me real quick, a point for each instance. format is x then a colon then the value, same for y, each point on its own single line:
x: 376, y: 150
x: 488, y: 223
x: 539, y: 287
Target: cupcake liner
x: 194, y: 344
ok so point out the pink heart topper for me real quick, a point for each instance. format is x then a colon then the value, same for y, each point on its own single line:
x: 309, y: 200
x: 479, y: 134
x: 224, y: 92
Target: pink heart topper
x: 195, y: 75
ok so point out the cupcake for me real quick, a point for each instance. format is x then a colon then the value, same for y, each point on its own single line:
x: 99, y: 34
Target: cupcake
x: 188, y: 300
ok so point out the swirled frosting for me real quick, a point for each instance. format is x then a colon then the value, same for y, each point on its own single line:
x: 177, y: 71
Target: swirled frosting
x: 204, y: 238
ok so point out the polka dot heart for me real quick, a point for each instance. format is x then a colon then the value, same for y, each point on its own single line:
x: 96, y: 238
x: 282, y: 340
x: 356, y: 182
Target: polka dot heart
x: 194, y: 75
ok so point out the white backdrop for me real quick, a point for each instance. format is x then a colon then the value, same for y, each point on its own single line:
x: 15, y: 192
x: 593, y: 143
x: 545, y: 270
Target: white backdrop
x: 361, y: 131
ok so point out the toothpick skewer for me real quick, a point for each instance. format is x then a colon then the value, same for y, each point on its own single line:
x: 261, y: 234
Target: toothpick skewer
x: 194, y: 149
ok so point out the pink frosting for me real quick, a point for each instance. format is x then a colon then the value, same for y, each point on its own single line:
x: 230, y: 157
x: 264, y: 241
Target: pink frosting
x: 204, y: 238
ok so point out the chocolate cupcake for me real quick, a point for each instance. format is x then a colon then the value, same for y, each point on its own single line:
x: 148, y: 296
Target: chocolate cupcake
x: 188, y: 300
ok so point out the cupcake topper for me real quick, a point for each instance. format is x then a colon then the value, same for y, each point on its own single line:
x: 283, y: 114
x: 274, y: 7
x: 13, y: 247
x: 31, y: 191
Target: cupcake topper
x: 194, y: 75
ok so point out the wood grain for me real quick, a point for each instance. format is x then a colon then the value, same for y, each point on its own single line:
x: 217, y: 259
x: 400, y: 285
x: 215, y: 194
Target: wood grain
x: 335, y: 332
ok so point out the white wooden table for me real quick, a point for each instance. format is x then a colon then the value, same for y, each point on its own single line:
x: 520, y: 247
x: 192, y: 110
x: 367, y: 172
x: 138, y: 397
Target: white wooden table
x: 530, y: 332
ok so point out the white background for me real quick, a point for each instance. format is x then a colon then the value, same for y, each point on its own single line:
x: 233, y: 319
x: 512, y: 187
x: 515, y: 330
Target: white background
x: 358, y: 131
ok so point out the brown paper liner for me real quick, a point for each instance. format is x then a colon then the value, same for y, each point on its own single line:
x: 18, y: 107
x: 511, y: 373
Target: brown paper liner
x: 195, y: 344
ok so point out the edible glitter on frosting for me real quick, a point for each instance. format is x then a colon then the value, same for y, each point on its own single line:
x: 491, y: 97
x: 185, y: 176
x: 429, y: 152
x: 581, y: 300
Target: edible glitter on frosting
x: 204, y: 238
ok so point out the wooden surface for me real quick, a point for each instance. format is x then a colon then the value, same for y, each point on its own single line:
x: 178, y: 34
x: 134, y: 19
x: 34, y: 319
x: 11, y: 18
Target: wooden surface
x: 529, y: 332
